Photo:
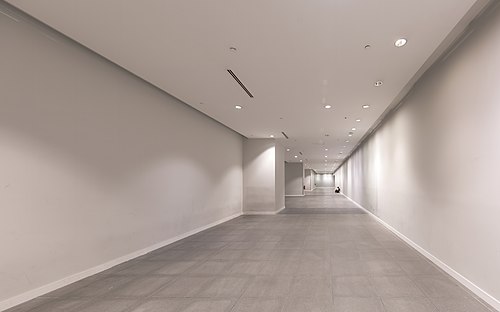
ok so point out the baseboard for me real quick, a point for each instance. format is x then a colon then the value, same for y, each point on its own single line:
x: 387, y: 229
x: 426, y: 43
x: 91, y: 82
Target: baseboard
x: 40, y: 291
x: 262, y: 213
x: 277, y: 212
x: 495, y: 303
x: 294, y: 195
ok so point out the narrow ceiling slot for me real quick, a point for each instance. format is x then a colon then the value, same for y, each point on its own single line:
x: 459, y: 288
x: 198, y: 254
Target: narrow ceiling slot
x: 301, y: 153
x: 284, y: 134
x: 240, y: 83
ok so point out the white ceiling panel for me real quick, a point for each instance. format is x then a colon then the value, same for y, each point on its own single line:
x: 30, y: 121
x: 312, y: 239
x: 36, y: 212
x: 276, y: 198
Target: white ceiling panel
x: 294, y: 56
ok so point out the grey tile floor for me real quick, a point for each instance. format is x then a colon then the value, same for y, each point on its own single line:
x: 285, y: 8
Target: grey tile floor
x: 320, y: 201
x: 286, y: 263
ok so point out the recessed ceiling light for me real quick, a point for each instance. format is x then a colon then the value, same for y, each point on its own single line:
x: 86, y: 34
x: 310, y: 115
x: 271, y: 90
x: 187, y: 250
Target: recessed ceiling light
x: 347, y: 141
x: 328, y: 106
x: 326, y: 149
x: 350, y: 134
x: 400, y: 42
x: 287, y: 149
x: 366, y: 106
x: 353, y: 129
x: 326, y: 156
x: 296, y: 156
x: 271, y: 136
x: 378, y: 83
x: 238, y: 107
x: 301, y: 160
x: 358, y: 120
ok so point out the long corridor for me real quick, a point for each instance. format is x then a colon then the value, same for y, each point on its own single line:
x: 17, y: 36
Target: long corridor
x: 320, y: 200
x: 289, y: 262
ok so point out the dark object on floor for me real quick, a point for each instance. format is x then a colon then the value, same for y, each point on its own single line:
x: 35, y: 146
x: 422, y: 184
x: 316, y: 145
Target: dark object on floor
x: 337, y: 190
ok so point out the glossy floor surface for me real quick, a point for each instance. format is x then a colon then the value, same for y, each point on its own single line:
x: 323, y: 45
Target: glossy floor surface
x: 286, y: 263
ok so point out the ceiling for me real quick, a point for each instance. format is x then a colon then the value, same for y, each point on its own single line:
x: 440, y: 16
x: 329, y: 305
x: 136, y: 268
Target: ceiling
x: 294, y: 56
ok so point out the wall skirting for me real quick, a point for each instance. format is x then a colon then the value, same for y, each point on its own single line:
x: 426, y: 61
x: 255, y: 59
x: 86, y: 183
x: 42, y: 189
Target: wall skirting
x: 263, y: 213
x: 32, y: 294
x: 443, y: 266
x: 294, y: 195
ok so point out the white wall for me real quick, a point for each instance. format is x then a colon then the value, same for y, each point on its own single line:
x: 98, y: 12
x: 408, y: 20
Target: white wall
x: 313, y: 179
x: 431, y: 171
x: 279, y: 177
x: 259, y: 184
x: 263, y: 176
x: 307, y: 179
x: 294, y: 179
x: 324, y: 180
x: 95, y: 164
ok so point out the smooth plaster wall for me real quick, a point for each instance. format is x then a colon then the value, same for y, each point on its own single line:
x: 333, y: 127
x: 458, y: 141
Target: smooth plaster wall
x: 96, y: 164
x: 431, y: 170
x: 279, y: 176
x: 307, y: 179
x: 259, y: 186
x: 263, y: 176
x: 294, y: 179
x: 324, y: 180
x: 313, y: 179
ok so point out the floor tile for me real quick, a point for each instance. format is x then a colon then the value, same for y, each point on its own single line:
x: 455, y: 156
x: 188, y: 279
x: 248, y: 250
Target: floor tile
x: 212, y: 267
x: 101, y: 287
x: 395, y: 286
x: 246, y: 267
x: 260, y: 305
x: 419, y: 267
x: 161, y: 305
x: 108, y: 306
x: 408, y: 304
x: 459, y: 305
x: 207, y: 305
x: 311, y: 287
x: 275, y: 286
x: 383, y: 268
x: 140, y: 287
x: 356, y: 304
x: 30, y: 305
x: 352, y: 286
x: 285, y: 267
x: 308, y: 305
x: 175, y: 267
x: 61, y: 305
x: 141, y: 268
x: 225, y: 287
x: 349, y: 267
x: 440, y: 287
x: 314, y: 268
x: 184, y: 287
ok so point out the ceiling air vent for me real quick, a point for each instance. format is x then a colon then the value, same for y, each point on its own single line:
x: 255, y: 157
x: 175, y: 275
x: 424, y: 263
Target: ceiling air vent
x: 239, y: 82
x: 284, y: 134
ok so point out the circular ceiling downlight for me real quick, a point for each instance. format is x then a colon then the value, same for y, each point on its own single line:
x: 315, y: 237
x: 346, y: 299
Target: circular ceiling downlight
x: 400, y: 42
